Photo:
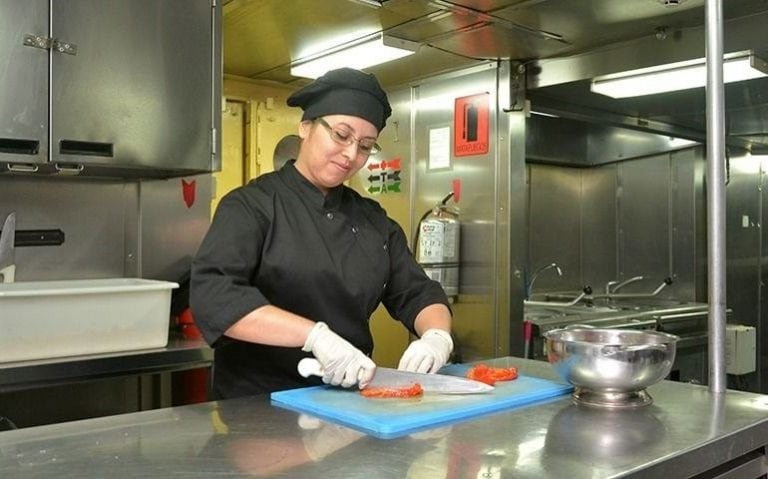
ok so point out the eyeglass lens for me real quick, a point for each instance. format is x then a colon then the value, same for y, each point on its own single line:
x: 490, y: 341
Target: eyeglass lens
x: 366, y: 146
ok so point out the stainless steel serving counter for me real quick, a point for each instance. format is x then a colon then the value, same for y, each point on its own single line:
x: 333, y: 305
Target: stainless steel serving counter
x: 685, y: 432
x: 178, y: 355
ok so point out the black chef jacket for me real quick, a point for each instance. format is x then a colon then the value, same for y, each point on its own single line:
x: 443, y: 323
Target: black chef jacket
x: 278, y: 240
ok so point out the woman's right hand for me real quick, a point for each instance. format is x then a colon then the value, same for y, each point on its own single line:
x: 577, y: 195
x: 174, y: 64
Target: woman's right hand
x: 343, y: 364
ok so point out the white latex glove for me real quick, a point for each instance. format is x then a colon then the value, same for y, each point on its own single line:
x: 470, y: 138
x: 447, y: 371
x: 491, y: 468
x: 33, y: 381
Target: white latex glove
x: 428, y: 354
x: 343, y: 364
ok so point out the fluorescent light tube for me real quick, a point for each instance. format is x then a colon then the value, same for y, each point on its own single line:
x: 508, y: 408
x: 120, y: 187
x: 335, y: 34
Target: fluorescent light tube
x: 360, y: 55
x: 677, y: 76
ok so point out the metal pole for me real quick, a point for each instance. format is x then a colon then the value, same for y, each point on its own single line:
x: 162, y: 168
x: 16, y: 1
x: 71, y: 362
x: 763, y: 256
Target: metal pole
x: 715, y: 195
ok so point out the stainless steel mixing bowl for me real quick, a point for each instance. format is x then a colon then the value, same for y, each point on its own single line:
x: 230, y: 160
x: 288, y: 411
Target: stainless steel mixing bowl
x: 611, y: 367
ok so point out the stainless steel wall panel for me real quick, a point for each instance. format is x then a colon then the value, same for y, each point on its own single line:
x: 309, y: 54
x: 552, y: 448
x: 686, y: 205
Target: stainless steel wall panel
x: 699, y: 199
x: 688, y: 219
x: 23, y: 71
x: 644, y: 222
x: 573, y: 222
x: 743, y: 227
x: 636, y: 218
x: 112, y: 229
x: 92, y: 216
x: 599, y: 258
x: 554, y: 227
x: 475, y: 324
x: 171, y: 231
x: 434, y: 109
x: 744, y: 253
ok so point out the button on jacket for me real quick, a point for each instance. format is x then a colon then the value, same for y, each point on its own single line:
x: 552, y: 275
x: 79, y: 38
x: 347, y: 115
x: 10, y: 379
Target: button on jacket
x: 278, y: 240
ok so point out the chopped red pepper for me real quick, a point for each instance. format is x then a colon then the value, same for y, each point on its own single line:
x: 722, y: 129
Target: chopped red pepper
x: 415, y: 390
x: 490, y: 375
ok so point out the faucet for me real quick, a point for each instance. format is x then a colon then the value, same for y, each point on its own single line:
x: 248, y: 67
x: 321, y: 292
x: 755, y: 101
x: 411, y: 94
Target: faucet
x: 616, y: 285
x: 536, y: 273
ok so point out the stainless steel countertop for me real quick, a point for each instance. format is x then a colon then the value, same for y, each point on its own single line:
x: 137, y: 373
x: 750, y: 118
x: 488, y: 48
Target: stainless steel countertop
x: 178, y: 355
x: 687, y: 430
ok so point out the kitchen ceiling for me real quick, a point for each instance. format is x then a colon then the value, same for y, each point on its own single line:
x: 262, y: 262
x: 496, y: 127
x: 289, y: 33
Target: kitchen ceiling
x: 263, y: 37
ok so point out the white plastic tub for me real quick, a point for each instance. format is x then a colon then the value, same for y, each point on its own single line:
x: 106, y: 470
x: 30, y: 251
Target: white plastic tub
x: 48, y: 319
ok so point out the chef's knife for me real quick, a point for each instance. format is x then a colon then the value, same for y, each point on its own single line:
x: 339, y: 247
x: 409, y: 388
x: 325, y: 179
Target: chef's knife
x: 394, y: 378
x: 7, y: 251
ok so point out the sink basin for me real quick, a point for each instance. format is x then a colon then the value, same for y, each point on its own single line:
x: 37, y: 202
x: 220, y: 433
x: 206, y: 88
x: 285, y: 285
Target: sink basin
x: 576, y: 309
x: 550, y: 311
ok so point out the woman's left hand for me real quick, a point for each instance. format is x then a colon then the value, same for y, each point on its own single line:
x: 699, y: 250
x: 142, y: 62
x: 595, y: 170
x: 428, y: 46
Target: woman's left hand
x: 428, y: 354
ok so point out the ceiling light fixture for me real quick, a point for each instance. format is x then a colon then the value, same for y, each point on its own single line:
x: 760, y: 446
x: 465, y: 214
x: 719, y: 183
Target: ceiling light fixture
x: 737, y: 66
x: 362, y: 54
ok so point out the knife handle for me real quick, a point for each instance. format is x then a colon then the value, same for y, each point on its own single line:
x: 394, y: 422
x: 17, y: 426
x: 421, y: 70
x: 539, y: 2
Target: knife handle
x: 310, y: 367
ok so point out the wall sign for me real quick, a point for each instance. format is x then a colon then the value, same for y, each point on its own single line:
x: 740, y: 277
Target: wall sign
x: 470, y: 125
x: 384, y: 176
x: 439, y: 148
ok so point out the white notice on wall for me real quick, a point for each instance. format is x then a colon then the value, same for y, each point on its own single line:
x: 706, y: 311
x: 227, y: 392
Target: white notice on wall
x: 439, y: 148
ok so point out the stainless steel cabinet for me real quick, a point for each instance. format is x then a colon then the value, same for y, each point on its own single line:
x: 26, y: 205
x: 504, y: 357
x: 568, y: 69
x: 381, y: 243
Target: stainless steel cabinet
x: 110, y: 87
x: 23, y: 82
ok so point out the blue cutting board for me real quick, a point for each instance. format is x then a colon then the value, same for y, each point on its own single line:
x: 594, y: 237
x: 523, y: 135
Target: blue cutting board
x: 390, y: 418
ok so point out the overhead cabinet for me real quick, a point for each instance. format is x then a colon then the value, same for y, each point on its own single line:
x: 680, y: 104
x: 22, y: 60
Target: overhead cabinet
x: 110, y: 87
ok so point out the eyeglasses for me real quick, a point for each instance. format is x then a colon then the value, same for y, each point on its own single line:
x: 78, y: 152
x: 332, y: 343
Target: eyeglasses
x: 365, y: 146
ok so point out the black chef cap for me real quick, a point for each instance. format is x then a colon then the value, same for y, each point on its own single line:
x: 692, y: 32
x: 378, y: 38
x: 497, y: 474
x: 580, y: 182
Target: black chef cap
x: 344, y: 92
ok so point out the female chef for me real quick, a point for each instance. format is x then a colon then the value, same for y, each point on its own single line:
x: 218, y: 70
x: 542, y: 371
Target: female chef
x: 295, y: 262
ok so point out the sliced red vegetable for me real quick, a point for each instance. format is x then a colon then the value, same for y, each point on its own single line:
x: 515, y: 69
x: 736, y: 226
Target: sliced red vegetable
x: 414, y: 390
x: 491, y: 375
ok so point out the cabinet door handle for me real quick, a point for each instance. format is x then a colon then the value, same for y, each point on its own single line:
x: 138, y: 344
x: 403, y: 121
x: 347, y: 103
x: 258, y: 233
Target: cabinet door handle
x: 22, y: 167
x: 68, y: 169
x: 19, y: 147
x: 85, y: 148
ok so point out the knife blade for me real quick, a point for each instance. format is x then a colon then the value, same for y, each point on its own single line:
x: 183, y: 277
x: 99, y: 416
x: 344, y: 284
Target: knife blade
x: 394, y: 378
x: 7, y: 249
